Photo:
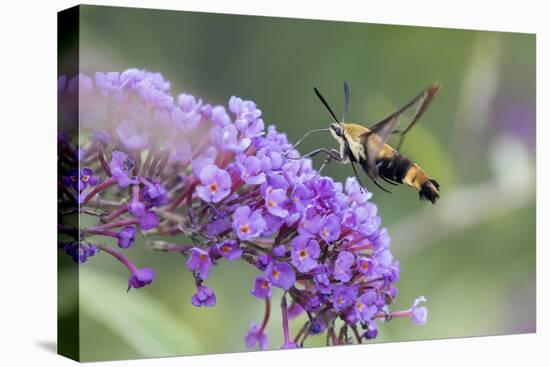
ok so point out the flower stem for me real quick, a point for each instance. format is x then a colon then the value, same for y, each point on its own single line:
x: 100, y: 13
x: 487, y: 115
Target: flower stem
x: 266, y: 315
x: 115, y: 213
x: 101, y: 157
x: 284, y: 310
x: 100, y: 232
x: 119, y: 256
x: 120, y: 223
x: 102, y: 186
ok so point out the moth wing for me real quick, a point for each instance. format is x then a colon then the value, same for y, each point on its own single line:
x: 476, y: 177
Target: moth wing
x: 399, y: 123
x: 374, y: 140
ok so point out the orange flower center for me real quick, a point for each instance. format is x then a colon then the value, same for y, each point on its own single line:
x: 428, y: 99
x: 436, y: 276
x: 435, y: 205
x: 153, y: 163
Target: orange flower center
x: 245, y: 228
x: 365, y: 266
x: 85, y: 178
x: 203, y: 257
x: 265, y: 285
x: 303, y: 254
x: 226, y: 248
x: 271, y: 204
x: 275, y: 273
x: 213, y: 187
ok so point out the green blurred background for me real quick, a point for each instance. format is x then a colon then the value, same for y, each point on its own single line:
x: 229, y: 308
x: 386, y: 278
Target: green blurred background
x: 472, y: 255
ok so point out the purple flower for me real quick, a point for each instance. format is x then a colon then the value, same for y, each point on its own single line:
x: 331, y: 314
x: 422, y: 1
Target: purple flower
x: 101, y: 137
x: 248, y: 224
x: 313, y: 304
x: 226, y: 138
x: 237, y: 187
x: 281, y: 275
x: 365, y: 306
x: 229, y: 249
x: 204, y: 297
x: 80, y: 82
x: 132, y: 137
x: 247, y: 117
x: 120, y: 167
x: 251, y: 169
x: 310, y: 221
x: 107, y: 83
x: 419, y: 315
x: 218, y: 226
x: 126, y: 236
x: 216, y: 184
x: 365, y: 265
x: 199, y: 262
x: 87, y: 178
x: 262, y: 288
x: 188, y: 103
x: 80, y: 252
x: 330, y: 228
x: 343, y: 296
x: 219, y: 116
x: 263, y: 262
x: 305, y: 252
x: 289, y: 345
x: 80, y: 179
x: 256, y: 336
x: 381, y: 239
x: 279, y: 251
x: 356, y: 195
x: 136, y: 208
x: 141, y: 278
x: 244, y: 109
x: 148, y: 221
x: 372, y: 331
x: 275, y: 202
x: 383, y: 260
x: 203, y: 160
x: 185, y: 120
x: 206, y: 111
x: 316, y: 326
x: 154, y: 193
x: 129, y: 77
x: 342, y: 266
x: 321, y: 279
x: 149, y: 91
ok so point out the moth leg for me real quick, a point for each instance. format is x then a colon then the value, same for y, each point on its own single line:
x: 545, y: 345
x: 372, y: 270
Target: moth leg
x: 375, y: 181
x: 357, y: 177
x: 394, y: 183
x: 332, y: 154
x: 303, y: 137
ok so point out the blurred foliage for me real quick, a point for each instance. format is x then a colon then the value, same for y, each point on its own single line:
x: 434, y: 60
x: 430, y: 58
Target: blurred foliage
x: 479, y: 280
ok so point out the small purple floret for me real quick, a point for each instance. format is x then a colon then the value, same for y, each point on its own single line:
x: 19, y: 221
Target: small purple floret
x: 204, y: 297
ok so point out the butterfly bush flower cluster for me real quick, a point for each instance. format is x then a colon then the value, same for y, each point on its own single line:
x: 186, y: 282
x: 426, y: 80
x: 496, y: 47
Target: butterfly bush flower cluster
x: 161, y: 166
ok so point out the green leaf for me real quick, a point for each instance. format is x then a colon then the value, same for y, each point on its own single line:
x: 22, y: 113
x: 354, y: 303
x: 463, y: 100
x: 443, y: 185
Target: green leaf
x: 143, y: 322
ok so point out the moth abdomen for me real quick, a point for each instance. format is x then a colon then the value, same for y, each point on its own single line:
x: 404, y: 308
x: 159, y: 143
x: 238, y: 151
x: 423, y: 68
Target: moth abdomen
x: 394, y: 168
x: 429, y: 190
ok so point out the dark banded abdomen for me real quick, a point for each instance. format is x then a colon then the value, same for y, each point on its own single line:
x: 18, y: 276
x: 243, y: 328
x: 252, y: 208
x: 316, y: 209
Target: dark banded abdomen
x: 400, y: 169
x: 394, y: 169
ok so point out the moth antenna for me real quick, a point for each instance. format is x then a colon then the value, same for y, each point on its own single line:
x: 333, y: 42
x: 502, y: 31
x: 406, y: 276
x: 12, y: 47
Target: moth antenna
x: 324, y: 102
x: 346, y: 100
